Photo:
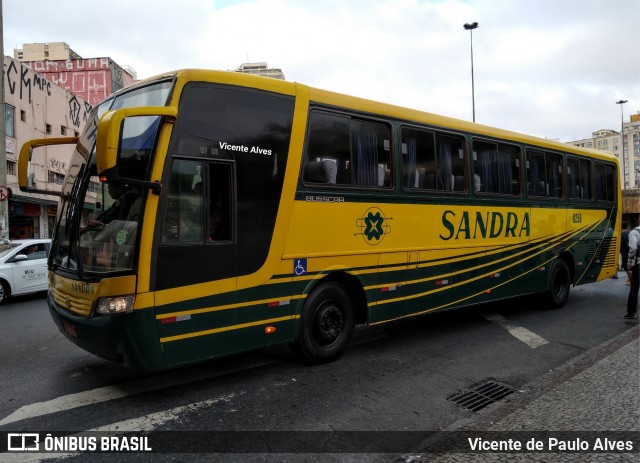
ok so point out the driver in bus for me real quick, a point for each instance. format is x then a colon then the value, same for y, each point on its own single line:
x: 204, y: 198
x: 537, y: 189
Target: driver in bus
x: 125, y: 207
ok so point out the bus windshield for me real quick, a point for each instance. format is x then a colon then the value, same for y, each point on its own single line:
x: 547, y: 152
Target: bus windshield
x: 98, y: 222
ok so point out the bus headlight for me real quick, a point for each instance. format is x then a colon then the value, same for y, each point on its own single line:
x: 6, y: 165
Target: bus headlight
x: 114, y: 305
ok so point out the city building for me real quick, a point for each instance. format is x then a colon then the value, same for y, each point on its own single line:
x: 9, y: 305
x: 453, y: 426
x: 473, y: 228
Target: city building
x: 627, y: 149
x: 55, y: 51
x: 91, y: 79
x: 37, y: 108
x: 260, y: 69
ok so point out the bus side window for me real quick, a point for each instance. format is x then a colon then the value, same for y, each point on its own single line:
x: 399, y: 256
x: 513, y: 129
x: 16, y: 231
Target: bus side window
x: 573, y: 178
x: 327, y: 158
x: 450, y: 162
x: 554, y: 175
x: 585, y: 179
x: 342, y: 150
x: 371, y: 148
x: 509, y: 169
x: 578, y: 178
x: 220, y: 208
x: 605, y: 182
x: 418, y: 159
x: 182, y: 221
x: 484, y: 167
x: 536, y: 174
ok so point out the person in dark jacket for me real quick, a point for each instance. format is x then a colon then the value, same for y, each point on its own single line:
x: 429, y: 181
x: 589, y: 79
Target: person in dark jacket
x: 632, y: 265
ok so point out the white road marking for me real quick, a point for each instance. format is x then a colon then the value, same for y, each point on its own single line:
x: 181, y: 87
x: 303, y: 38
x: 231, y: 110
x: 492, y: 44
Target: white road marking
x: 528, y: 337
x: 104, y: 394
x: 141, y: 424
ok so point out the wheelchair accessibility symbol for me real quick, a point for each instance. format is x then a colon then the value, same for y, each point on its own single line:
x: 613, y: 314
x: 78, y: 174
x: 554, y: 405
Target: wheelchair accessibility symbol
x: 300, y: 267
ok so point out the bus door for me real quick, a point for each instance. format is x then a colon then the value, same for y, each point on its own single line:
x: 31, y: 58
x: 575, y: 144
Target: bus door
x: 196, y: 261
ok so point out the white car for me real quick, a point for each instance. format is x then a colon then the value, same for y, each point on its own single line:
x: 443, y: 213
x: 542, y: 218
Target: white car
x: 23, y: 267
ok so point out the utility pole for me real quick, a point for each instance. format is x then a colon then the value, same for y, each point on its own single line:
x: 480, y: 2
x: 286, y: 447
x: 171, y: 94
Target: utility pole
x: 622, y: 156
x: 470, y: 27
x: 4, y: 203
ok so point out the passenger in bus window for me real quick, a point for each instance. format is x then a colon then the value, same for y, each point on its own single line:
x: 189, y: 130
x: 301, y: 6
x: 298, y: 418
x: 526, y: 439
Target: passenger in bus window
x: 217, y: 228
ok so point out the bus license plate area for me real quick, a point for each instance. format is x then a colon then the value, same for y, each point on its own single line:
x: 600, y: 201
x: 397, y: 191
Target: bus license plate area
x: 70, y: 329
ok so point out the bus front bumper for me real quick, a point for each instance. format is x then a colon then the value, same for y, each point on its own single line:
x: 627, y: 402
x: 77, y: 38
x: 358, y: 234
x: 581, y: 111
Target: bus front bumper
x: 130, y: 339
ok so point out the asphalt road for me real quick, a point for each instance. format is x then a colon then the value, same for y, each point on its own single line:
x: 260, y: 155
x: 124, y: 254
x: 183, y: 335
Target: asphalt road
x: 392, y: 379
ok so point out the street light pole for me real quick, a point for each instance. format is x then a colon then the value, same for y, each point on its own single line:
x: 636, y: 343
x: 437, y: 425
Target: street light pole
x: 470, y: 27
x: 624, y: 161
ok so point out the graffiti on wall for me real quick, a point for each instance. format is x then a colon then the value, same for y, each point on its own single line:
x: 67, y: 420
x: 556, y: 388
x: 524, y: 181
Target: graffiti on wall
x: 92, y: 64
x: 74, y: 111
x: 58, y: 166
x: 91, y: 79
x: 22, y: 82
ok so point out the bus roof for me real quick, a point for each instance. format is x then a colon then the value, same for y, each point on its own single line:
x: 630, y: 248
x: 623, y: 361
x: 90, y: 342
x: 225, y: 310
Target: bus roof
x: 335, y: 99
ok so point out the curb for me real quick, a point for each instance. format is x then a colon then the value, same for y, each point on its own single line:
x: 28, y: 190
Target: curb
x: 545, y: 383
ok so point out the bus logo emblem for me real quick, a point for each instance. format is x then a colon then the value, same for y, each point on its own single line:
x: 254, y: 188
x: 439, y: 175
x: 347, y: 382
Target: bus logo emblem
x: 373, y: 225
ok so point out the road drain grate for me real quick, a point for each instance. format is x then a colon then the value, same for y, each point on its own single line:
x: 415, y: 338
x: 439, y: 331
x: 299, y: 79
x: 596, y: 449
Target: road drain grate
x: 481, y: 396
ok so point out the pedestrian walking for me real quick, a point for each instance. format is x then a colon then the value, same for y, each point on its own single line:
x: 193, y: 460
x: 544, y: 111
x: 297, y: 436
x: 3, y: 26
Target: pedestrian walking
x: 632, y: 265
x: 624, y: 252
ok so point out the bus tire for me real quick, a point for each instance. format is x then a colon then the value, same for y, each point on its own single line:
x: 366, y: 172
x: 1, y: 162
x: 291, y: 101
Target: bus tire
x: 559, y: 284
x: 326, y: 324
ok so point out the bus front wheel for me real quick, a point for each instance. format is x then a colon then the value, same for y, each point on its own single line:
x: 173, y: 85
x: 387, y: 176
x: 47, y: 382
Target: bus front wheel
x: 559, y: 283
x: 326, y: 324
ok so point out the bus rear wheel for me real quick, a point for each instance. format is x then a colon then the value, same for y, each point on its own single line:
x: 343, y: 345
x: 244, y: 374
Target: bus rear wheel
x: 326, y: 324
x: 559, y: 284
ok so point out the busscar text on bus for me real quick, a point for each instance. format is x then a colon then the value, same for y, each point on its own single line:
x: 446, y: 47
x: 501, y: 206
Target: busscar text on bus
x: 206, y: 213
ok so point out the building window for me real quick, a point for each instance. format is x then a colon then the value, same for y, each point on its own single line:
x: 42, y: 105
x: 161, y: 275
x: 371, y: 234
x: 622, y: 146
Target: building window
x: 11, y: 168
x: 23, y: 116
x: 63, y: 130
x: 48, y: 129
x: 56, y: 178
x: 9, y: 114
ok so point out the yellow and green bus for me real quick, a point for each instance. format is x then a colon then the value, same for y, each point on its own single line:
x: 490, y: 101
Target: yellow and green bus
x: 206, y: 213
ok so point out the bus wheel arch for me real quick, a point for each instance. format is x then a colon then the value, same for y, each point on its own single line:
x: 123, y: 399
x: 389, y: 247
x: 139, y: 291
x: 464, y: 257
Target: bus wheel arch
x: 328, y: 318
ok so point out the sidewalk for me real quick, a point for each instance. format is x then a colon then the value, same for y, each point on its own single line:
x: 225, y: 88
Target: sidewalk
x: 598, y: 391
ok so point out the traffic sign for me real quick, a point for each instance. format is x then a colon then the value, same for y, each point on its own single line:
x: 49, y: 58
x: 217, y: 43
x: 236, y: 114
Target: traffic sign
x: 4, y: 193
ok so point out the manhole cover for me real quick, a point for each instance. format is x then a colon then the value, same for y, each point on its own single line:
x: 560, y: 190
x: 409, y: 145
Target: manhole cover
x: 481, y: 396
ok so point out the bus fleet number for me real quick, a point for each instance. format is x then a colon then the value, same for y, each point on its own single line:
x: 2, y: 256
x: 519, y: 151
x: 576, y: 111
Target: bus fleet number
x: 577, y: 217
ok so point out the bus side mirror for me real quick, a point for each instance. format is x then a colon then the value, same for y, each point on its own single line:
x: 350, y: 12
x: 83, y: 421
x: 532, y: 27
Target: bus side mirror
x: 110, y: 134
x: 26, y: 179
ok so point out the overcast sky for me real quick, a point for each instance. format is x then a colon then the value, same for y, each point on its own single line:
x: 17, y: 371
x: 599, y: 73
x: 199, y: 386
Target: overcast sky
x: 551, y: 68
